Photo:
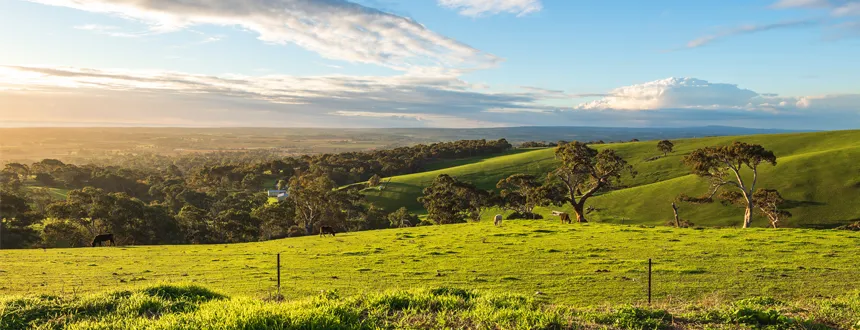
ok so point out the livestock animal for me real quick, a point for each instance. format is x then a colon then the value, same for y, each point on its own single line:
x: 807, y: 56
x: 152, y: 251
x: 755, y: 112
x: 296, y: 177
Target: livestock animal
x: 497, y: 220
x: 565, y: 218
x: 101, y: 239
x: 326, y: 230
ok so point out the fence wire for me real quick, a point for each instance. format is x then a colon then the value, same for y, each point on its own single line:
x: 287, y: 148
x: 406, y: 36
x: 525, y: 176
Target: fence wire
x: 303, y: 275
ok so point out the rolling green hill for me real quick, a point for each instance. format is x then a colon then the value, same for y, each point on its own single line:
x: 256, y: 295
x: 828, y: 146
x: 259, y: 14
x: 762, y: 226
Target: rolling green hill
x: 817, y: 172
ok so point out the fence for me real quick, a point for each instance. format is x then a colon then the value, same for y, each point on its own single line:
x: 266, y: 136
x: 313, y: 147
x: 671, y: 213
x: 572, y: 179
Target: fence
x: 292, y: 274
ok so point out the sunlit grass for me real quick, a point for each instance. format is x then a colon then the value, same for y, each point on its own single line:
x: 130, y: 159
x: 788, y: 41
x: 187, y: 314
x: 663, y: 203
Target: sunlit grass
x: 585, y: 265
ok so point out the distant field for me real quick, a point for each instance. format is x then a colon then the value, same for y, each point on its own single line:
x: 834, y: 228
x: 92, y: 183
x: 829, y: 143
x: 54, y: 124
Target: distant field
x: 817, y: 172
x: 585, y: 265
x: 82, y: 145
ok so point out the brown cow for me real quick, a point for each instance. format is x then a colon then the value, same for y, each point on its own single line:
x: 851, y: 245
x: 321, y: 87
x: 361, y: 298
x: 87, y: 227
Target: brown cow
x: 326, y: 230
x: 565, y: 218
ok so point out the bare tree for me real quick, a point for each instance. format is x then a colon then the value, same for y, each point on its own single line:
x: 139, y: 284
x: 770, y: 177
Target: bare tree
x: 768, y: 202
x: 722, y: 166
x: 586, y: 169
x: 677, y: 218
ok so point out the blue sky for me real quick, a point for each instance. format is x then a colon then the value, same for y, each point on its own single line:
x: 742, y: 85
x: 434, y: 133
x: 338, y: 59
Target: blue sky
x: 441, y: 63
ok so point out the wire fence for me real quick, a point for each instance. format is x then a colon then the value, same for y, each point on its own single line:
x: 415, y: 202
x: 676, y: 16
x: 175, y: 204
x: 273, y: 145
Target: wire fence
x: 296, y: 275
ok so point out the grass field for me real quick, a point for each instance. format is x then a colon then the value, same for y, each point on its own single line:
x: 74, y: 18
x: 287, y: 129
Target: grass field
x: 585, y: 265
x: 194, y: 307
x: 817, y: 172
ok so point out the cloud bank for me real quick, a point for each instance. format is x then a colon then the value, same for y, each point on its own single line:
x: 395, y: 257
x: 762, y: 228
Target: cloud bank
x: 335, y: 29
x: 90, y: 97
x: 476, y: 8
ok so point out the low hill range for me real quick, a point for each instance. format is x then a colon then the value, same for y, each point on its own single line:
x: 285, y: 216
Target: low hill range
x: 816, y: 172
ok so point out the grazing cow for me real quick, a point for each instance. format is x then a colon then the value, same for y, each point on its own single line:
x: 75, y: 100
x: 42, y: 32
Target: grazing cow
x: 101, y: 239
x: 497, y: 220
x: 565, y: 218
x: 326, y: 230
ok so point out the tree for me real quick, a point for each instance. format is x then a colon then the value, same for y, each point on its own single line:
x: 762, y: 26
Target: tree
x: 585, y: 171
x: 282, y: 185
x: 768, y: 203
x: 722, y: 166
x: 195, y: 225
x: 665, y: 147
x: 402, y: 218
x: 276, y: 218
x: 313, y: 196
x: 373, y: 181
x: 16, y: 219
x: 448, y: 200
x: 520, y: 192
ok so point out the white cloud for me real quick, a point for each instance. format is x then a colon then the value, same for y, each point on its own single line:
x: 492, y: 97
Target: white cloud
x: 477, y: 8
x: 674, y: 93
x: 335, y: 29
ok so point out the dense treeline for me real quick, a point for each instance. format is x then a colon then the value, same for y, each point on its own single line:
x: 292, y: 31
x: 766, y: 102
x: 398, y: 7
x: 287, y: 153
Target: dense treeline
x: 205, y: 198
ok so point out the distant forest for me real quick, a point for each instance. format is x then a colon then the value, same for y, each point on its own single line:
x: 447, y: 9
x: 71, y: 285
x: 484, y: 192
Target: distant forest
x: 207, y: 197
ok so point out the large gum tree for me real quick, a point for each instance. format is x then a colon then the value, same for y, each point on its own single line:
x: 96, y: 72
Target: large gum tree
x: 723, y: 166
x: 585, y: 171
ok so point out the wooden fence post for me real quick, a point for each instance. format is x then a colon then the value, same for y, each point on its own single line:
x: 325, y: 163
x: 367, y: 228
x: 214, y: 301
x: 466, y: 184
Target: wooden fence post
x: 649, y: 281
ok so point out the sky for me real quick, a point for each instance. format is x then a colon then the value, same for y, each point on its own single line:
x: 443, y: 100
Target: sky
x: 790, y: 64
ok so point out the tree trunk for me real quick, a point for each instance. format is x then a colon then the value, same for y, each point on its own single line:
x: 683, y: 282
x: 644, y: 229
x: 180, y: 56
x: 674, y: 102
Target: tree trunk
x: 580, y: 215
x: 748, y: 214
x: 677, y: 219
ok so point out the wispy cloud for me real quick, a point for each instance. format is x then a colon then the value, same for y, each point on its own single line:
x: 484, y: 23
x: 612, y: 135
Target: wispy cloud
x: 476, y: 8
x: 801, y: 4
x: 335, y: 29
x: 843, y: 15
x: 109, y: 30
x: 749, y: 29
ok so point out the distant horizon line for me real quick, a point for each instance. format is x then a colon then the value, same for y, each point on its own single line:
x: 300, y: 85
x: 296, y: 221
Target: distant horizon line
x: 419, y: 128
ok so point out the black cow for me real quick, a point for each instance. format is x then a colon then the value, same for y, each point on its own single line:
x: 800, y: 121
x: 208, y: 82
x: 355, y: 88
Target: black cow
x: 101, y: 239
x: 325, y: 230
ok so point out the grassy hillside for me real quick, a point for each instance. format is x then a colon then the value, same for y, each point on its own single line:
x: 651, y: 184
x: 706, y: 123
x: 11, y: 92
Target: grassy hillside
x: 585, y: 265
x: 194, y: 307
x: 817, y: 172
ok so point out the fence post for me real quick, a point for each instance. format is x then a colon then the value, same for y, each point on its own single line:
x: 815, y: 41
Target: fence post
x: 649, y: 281
x: 279, y: 273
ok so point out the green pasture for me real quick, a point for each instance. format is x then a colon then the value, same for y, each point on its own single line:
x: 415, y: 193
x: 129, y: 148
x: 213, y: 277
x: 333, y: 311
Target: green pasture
x: 583, y: 264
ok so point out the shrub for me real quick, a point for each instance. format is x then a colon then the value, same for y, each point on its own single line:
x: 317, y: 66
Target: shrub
x: 530, y: 216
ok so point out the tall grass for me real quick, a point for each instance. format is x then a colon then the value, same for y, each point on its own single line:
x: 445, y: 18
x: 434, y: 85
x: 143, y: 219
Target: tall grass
x: 193, y: 307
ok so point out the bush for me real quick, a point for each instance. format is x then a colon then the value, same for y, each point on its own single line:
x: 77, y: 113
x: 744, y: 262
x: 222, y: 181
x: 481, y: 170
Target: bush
x: 853, y: 227
x: 529, y: 216
x: 63, y: 234
x: 295, y: 231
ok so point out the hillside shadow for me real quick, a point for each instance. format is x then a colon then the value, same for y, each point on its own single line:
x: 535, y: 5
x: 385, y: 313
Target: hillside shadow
x: 833, y: 225
x: 790, y: 204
